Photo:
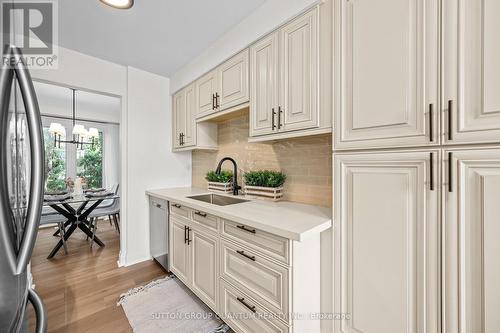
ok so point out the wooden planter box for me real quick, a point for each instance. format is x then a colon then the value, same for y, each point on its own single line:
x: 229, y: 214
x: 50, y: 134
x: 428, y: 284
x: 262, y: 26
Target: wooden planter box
x: 221, y: 187
x: 266, y: 193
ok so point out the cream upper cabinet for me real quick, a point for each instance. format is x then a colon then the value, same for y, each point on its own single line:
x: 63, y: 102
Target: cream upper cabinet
x: 298, y: 88
x: 386, y: 70
x: 233, y: 82
x: 189, y: 137
x: 471, y: 71
x: 225, y: 87
x: 206, y: 88
x: 184, y: 123
x: 179, y: 118
x: 179, y: 250
x: 204, y: 265
x: 285, y: 78
x: 471, y: 289
x: 264, y: 87
x: 387, y: 255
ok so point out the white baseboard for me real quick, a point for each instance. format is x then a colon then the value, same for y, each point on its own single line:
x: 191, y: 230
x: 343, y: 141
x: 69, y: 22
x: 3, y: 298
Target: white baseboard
x: 126, y: 263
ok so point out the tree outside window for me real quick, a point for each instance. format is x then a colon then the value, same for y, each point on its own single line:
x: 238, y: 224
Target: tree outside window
x: 89, y: 163
x: 55, y: 164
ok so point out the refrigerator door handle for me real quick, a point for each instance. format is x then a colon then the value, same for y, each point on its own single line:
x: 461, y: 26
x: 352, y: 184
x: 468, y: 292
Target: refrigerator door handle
x: 37, y: 151
x: 6, y: 215
x: 40, y: 311
x: 34, y: 208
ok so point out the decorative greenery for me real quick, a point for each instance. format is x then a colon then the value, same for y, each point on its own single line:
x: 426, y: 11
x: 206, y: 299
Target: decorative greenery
x: 265, y: 178
x: 224, y: 177
x: 90, y: 163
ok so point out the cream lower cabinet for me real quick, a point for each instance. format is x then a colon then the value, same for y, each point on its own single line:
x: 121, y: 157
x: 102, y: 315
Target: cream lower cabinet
x: 179, y: 250
x: 194, y: 260
x: 387, y: 254
x: 471, y: 284
x: 254, y: 280
x: 204, y: 265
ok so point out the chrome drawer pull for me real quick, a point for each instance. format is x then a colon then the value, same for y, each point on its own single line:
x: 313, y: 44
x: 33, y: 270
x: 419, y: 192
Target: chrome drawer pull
x: 246, y: 255
x: 250, y: 307
x: 201, y: 214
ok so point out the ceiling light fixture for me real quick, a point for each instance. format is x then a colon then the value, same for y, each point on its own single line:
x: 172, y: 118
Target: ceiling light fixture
x: 80, y: 134
x: 120, y: 4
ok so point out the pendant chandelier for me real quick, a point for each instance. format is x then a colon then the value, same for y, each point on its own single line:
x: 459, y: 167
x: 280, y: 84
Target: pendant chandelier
x: 80, y: 136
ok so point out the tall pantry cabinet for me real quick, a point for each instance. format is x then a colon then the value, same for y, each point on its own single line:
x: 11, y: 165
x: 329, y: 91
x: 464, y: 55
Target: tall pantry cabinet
x: 417, y: 166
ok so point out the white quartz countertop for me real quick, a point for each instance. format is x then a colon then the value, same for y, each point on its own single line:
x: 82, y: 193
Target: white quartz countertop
x: 287, y: 219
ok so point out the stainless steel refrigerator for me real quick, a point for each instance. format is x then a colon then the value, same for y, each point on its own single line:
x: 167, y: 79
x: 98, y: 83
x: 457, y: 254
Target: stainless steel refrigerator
x: 21, y: 192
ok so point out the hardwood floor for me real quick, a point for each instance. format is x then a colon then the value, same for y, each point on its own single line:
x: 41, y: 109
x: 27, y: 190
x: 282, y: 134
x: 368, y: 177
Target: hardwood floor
x: 80, y: 289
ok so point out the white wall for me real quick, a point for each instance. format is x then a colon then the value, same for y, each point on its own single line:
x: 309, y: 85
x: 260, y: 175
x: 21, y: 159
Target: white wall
x: 144, y: 136
x: 151, y: 164
x: 263, y: 20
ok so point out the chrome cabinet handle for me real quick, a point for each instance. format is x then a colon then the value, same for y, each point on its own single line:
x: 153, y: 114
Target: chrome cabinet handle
x: 36, y: 150
x: 40, y: 311
x: 185, y: 234
x: 248, y: 306
x: 213, y: 101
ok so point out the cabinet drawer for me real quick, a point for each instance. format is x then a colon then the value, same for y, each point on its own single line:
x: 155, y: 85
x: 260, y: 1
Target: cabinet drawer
x: 208, y: 220
x: 261, y: 278
x: 272, y: 245
x: 180, y: 210
x: 245, y: 315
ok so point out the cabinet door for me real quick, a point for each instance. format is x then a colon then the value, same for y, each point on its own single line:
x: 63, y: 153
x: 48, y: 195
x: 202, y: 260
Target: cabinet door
x: 179, y: 250
x: 471, y: 71
x: 298, y: 83
x: 388, y: 68
x: 387, y: 240
x: 264, y: 85
x: 204, y: 261
x: 233, y: 81
x: 179, y: 117
x: 190, y: 116
x: 206, y: 87
x: 472, y: 242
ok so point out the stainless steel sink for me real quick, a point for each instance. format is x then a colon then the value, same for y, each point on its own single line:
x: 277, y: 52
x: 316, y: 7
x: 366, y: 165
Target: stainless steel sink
x: 219, y: 200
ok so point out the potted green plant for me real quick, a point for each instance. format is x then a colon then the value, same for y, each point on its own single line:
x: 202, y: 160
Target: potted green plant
x: 265, y: 184
x: 222, y: 182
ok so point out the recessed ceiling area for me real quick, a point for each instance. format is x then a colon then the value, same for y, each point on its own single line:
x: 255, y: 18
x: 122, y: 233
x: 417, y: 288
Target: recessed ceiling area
x: 159, y: 36
x: 57, y: 101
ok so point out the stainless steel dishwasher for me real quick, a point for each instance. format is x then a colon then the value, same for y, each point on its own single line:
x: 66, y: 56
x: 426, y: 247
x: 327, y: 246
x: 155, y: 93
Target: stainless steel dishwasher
x: 158, y: 231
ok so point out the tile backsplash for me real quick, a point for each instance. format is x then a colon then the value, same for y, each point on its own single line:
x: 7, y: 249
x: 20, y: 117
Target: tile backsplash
x: 306, y: 161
